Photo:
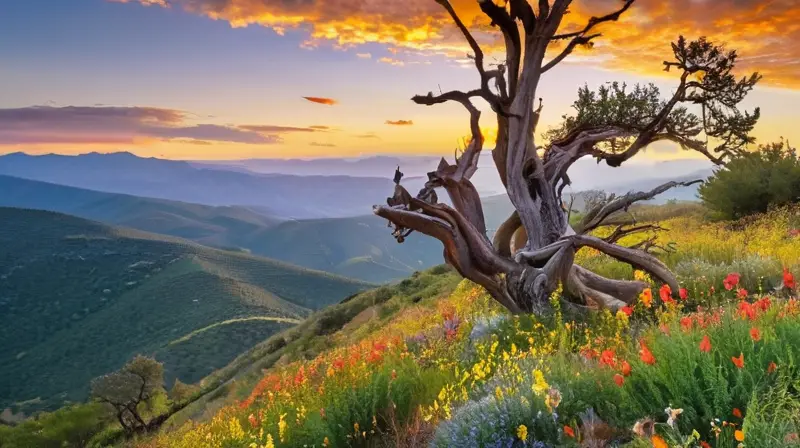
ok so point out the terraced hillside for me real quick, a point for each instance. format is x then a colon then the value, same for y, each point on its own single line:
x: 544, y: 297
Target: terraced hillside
x: 79, y: 298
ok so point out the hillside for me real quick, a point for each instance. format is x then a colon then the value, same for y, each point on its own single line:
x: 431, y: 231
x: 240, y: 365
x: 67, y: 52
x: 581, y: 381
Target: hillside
x: 79, y: 298
x: 216, y: 226
x: 278, y: 195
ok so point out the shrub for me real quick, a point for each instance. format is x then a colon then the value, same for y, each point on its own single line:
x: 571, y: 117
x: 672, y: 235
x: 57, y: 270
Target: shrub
x: 753, y: 182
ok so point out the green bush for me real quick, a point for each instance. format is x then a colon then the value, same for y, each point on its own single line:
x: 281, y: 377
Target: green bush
x: 753, y: 182
x: 68, y: 427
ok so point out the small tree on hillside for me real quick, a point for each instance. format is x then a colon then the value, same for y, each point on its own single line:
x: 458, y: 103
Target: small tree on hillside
x: 533, y: 250
x: 127, y: 389
x: 753, y: 182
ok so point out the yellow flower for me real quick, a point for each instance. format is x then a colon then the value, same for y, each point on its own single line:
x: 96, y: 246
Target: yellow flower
x: 739, y: 435
x: 282, y: 426
x: 498, y: 393
x: 646, y: 297
x: 355, y: 427
x: 326, y: 442
x: 539, y: 384
x: 270, y: 442
x: 522, y: 432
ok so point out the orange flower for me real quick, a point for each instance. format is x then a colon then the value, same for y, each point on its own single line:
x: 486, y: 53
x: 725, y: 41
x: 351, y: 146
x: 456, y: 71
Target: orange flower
x: 755, y: 334
x: 666, y: 294
x: 658, y: 442
x: 704, y: 444
x: 738, y: 361
x: 683, y: 293
x: 788, y: 279
x: 772, y: 367
x: 626, y: 368
x: 568, y: 431
x: 737, y: 413
x: 705, y: 344
x: 645, y: 354
x: 608, y: 358
x: 619, y: 379
x: 664, y: 329
x: 646, y: 297
x: 686, y: 323
x: 739, y: 435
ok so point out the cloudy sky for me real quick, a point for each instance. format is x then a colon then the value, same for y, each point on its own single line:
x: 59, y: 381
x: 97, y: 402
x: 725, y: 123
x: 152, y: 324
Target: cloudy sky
x: 223, y: 79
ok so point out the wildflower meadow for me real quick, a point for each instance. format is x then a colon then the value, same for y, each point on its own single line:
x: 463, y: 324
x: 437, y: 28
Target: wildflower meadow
x: 716, y: 367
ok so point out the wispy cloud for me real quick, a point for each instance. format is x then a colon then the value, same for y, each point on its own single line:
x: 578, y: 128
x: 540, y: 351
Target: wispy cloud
x: 364, y: 55
x: 764, y: 31
x: 368, y: 135
x: 392, y: 61
x: 117, y: 125
x: 326, y: 145
x: 321, y: 100
x: 400, y: 122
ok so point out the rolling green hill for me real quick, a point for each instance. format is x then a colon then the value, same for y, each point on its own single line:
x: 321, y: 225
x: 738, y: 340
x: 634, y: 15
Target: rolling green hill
x: 215, y: 226
x: 79, y: 298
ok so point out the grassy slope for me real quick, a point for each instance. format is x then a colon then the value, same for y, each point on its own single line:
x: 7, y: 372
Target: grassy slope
x: 79, y: 298
x: 334, y: 326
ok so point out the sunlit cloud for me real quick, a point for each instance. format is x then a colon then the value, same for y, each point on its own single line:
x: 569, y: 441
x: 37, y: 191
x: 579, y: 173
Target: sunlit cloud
x: 364, y: 55
x: 391, y: 61
x: 368, y: 135
x: 119, y: 125
x: 319, y: 100
x: 324, y: 145
x: 764, y: 31
x: 400, y: 122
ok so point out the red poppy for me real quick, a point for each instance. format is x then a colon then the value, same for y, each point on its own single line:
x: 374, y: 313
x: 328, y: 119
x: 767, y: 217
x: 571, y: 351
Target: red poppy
x: 683, y: 293
x: 741, y: 293
x: 738, y: 361
x: 608, y: 358
x: 666, y: 294
x: 568, y: 431
x: 772, y: 367
x: 731, y: 280
x: 705, y: 344
x: 626, y: 368
x: 627, y: 310
x: 737, y: 413
x: 619, y: 379
x: 645, y: 354
x: 763, y: 303
x: 755, y: 334
x: 746, y: 310
x: 686, y: 323
x: 788, y: 279
x: 704, y: 444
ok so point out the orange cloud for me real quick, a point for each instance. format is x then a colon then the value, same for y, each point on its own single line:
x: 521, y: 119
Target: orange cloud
x: 400, y: 122
x: 765, y: 32
x: 392, y: 61
x: 318, y: 100
x: 368, y: 135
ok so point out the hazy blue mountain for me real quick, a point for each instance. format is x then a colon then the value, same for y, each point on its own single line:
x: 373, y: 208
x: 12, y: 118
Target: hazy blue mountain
x: 278, y: 195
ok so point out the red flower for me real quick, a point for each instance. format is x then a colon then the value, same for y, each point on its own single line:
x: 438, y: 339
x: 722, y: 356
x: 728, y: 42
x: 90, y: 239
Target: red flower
x: 664, y: 329
x: 569, y: 432
x: 686, y: 323
x: 731, y: 280
x: 683, y: 293
x: 772, y: 367
x: 666, y: 294
x: 704, y: 444
x: 608, y: 358
x: 627, y: 310
x: 763, y: 304
x: 737, y: 413
x: 788, y: 279
x: 741, y: 293
x: 645, y: 354
x: 590, y: 353
x: 755, y: 334
x: 746, y: 310
x: 252, y: 420
x: 626, y: 368
x: 705, y: 344
x: 738, y: 361
x: 619, y: 379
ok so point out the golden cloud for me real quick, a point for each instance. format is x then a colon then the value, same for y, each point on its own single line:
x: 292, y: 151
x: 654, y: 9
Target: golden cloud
x: 319, y: 100
x: 400, y: 122
x: 765, y: 32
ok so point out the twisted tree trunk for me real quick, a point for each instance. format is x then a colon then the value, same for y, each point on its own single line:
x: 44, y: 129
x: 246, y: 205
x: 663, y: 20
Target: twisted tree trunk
x: 533, y: 250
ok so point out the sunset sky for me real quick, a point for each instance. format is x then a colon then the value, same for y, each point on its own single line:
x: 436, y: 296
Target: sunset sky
x: 226, y: 79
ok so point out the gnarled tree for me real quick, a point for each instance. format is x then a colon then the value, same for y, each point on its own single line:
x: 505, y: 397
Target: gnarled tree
x: 533, y: 250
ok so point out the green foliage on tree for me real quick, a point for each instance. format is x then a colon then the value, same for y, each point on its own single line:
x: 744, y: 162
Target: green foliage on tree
x: 71, y: 426
x: 130, y: 389
x: 753, y: 182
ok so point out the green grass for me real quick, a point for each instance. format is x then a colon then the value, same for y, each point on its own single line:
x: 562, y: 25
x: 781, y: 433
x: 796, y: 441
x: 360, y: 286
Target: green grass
x: 79, y: 298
